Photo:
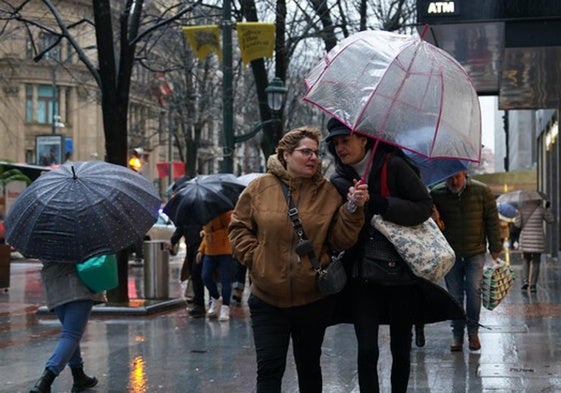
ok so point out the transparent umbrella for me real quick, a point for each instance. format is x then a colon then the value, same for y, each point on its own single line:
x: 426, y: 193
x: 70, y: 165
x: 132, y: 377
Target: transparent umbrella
x: 519, y: 197
x: 401, y: 90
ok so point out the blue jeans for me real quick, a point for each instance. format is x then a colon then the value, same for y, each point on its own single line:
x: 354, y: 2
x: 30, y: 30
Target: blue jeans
x: 465, y: 279
x: 273, y: 327
x: 74, y: 317
x: 210, y: 264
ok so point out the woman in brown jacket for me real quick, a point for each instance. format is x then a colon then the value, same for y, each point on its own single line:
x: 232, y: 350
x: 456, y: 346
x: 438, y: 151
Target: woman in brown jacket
x: 284, y: 301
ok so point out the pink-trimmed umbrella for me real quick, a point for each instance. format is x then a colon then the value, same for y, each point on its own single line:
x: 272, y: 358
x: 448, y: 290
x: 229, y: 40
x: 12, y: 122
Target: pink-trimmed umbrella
x: 401, y: 90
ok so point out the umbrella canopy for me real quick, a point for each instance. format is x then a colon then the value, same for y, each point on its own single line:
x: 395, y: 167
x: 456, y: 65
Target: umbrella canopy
x: 81, y: 210
x: 247, y: 178
x: 401, y: 90
x: 203, y: 198
x: 435, y: 170
x: 519, y: 197
x: 506, y: 210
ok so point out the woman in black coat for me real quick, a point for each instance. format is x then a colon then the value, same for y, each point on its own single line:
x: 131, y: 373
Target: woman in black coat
x: 375, y: 297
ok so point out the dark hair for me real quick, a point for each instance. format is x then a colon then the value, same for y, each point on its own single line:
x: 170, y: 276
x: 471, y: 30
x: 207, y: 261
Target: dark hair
x: 292, y: 138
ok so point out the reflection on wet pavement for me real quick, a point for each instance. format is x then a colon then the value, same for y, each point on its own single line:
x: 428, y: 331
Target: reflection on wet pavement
x: 170, y: 352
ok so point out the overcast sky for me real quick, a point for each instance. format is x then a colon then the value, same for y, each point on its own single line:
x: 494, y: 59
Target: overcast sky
x: 488, y: 108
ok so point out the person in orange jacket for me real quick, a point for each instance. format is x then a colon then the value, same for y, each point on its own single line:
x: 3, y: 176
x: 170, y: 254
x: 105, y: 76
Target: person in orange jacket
x: 215, y: 253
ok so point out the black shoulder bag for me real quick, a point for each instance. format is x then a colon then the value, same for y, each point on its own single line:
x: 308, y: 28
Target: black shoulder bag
x: 332, y: 278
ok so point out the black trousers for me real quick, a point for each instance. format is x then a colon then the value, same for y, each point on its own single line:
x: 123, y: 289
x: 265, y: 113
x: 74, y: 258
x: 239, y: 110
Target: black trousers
x: 196, y: 279
x: 374, y: 305
x: 273, y: 327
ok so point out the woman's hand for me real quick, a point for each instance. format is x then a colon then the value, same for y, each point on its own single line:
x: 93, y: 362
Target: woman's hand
x: 358, y: 193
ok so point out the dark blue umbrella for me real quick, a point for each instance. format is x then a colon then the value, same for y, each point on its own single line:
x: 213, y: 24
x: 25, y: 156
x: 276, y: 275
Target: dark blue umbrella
x: 506, y: 209
x: 203, y: 198
x: 435, y: 170
x: 81, y: 210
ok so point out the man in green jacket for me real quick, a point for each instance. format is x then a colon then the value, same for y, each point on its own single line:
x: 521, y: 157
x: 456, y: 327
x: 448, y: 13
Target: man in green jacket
x: 471, y: 225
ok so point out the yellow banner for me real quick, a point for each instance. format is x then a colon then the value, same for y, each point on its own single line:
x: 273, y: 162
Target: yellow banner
x: 203, y: 39
x: 256, y: 40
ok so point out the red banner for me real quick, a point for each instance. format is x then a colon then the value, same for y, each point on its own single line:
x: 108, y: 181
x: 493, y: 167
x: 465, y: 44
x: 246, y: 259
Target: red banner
x: 178, y: 168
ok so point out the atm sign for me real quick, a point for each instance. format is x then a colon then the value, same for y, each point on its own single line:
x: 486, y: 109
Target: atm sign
x: 442, y: 8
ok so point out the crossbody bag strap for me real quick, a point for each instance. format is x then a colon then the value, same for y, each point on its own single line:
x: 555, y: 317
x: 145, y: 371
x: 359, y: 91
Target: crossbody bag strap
x: 297, y: 223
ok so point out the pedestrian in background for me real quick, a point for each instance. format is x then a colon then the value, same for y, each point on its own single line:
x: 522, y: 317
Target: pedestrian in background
x: 215, y: 254
x: 284, y: 302
x: 371, y: 299
x: 191, y: 270
x: 530, y: 219
x: 72, y: 303
x: 471, y: 224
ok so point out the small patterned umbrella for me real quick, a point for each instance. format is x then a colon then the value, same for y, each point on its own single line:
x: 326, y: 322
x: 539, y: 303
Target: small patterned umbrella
x: 81, y: 210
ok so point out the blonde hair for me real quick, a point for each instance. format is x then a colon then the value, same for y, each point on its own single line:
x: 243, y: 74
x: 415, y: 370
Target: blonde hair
x: 292, y: 138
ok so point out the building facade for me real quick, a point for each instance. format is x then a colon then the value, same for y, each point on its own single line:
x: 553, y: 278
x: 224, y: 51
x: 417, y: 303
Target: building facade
x: 51, y: 107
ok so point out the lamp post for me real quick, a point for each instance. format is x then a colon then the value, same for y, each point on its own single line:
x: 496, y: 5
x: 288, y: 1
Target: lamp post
x: 276, y: 93
x: 55, y: 119
x: 227, y: 101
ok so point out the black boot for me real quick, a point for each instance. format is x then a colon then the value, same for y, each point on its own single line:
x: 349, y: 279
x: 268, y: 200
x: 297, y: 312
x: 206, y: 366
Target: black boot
x: 43, y: 384
x: 420, y: 335
x: 81, y: 380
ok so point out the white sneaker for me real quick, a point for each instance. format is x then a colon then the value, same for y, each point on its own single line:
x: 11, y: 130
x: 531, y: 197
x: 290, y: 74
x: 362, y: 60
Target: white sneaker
x: 224, y: 314
x: 214, y: 308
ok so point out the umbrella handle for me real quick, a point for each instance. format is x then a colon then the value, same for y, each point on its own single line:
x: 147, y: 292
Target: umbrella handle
x: 364, y: 177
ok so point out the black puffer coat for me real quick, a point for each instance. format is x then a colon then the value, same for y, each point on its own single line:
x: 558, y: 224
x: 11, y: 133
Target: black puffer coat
x: 409, y: 204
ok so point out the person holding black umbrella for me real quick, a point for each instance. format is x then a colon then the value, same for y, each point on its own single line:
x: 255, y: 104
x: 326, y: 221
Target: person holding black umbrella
x: 53, y: 220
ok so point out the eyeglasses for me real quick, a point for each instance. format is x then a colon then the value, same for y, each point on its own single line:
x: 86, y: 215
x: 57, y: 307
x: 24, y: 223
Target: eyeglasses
x: 308, y: 152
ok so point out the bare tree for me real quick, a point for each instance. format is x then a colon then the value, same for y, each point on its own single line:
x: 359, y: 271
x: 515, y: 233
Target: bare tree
x: 116, y: 57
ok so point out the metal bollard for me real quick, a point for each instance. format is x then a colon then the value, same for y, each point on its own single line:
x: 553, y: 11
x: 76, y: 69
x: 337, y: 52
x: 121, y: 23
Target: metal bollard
x: 156, y: 270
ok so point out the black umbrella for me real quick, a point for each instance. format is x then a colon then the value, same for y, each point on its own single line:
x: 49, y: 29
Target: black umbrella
x: 81, y: 210
x: 203, y: 198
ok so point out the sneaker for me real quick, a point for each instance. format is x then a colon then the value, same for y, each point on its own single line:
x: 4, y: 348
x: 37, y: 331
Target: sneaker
x: 197, y: 311
x: 224, y: 314
x: 457, y: 345
x: 474, y: 343
x: 524, y: 286
x: 533, y: 288
x: 214, y: 308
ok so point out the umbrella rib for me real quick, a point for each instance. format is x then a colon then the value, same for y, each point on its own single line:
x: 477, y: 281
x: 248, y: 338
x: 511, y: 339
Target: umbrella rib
x: 393, y: 99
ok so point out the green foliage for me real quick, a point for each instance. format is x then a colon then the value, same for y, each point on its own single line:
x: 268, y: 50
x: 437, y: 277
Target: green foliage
x: 9, y: 175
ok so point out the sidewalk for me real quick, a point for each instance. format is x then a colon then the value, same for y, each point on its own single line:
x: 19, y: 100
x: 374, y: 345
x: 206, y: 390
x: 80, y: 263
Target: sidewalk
x: 169, y: 352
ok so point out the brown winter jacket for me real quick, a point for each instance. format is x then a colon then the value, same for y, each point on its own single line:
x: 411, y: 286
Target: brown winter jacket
x: 263, y: 238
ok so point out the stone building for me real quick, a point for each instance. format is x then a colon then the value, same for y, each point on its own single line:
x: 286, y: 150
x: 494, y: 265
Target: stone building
x: 52, y: 104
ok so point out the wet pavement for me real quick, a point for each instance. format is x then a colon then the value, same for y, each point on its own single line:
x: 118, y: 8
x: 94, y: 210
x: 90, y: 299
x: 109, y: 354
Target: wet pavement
x: 169, y: 352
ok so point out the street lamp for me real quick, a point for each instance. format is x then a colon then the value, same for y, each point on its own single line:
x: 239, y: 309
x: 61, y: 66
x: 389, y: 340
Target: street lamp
x: 276, y: 94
